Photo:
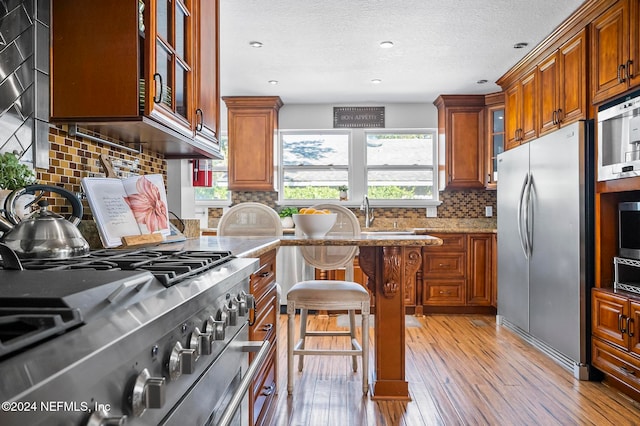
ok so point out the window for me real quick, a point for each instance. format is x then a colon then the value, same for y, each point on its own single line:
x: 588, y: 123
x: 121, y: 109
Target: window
x: 314, y: 164
x: 400, y: 165
x: 219, y: 190
x: 392, y: 167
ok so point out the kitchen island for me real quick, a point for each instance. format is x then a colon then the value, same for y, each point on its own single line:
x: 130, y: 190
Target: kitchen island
x: 381, y: 261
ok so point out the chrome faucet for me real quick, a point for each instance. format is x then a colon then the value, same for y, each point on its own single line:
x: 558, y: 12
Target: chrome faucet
x: 368, y: 212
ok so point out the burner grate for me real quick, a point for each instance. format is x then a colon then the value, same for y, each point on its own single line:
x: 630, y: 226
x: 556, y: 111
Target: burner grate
x: 169, y: 267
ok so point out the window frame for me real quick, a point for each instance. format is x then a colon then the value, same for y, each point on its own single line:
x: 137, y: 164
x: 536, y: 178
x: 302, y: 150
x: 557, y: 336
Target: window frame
x: 357, y: 168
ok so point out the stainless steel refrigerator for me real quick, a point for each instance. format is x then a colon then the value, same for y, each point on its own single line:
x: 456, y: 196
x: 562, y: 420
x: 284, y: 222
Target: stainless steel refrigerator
x: 545, y: 243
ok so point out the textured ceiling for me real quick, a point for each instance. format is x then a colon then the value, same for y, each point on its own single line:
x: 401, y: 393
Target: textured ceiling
x: 327, y: 51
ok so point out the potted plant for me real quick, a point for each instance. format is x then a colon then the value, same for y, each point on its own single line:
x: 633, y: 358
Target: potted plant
x: 343, y: 192
x: 14, y: 175
x: 286, y: 218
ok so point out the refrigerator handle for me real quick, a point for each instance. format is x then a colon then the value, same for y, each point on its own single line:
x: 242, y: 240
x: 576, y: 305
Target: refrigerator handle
x: 523, y: 243
x: 527, y: 222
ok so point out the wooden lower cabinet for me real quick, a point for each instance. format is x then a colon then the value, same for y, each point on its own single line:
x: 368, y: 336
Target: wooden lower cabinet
x: 263, y: 389
x: 459, y: 276
x: 615, y: 340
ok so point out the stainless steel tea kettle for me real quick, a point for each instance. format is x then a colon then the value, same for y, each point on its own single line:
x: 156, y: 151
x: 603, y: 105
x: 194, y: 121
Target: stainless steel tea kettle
x: 43, y: 234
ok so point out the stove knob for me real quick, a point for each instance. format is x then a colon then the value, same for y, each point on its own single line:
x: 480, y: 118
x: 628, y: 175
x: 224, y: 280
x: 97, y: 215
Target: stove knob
x: 242, y: 304
x: 216, y: 326
x: 201, y: 342
x: 232, y: 312
x: 101, y: 417
x: 148, y: 392
x: 182, y: 361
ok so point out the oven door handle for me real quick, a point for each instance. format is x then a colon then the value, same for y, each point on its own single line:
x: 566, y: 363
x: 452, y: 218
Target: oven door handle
x: 252, y: 371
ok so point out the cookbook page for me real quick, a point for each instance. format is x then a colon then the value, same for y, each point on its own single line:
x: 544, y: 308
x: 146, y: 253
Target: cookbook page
x: 147, y: 199
x: 112, y: 214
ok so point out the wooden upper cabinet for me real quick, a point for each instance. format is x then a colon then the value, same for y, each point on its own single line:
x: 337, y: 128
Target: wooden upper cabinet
x: 207, y: 84
x: 494, y: 113
x: 252, y: 127
x: 170, y: 63
x: 521, y: 112
x: 615, y: 50
x: 529, y: 129
x: 563, y: 85
x: 548, y: 78
x: 135, y: 75
x: 513, y: 110
x: 461, y: 124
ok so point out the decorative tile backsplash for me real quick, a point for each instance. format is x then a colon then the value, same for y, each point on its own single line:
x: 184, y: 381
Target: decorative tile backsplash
x: 72, y: 158
x: 455, y: 205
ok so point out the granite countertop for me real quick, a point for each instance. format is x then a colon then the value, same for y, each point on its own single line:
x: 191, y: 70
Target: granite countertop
x: 424, y: 226
x: 374, y: 239
x: 256, y: 246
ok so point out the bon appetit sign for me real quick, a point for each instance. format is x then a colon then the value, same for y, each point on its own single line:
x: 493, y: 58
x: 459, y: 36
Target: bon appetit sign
x: 350, y: 117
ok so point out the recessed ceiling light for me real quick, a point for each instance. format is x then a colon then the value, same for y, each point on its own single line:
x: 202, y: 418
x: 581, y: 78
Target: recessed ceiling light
x: 483, y: 81
x: 255, y: 44
x: 274, y: 82
x: 376, y: 81
x: 386, y: 44
x: 520, y: 45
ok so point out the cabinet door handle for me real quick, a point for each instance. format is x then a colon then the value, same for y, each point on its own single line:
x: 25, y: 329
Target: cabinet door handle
x: 157, y: 78
x: 554, y: 117
x: 200, y: 121
x: 621, y: 321
x: 559, y: 116
x: 629, y: 322
x: 267, y: 327
x: 621, y: 72
x: 629, y: 69
x: 268, y: 390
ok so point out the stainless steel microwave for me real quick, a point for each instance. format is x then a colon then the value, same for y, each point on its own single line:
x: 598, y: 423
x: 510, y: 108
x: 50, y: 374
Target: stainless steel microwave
x: 619, y: 138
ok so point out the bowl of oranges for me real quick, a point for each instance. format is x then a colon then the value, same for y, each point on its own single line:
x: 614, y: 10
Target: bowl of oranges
x: 314, y: 223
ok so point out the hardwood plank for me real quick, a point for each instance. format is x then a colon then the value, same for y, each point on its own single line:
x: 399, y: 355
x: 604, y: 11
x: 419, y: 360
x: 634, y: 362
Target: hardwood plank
x: 461, y: 369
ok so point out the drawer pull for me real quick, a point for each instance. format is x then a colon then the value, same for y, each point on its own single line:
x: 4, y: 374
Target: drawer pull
x: 445, y: 292
x: 265, y: 274
x: 627, y: 371
x: 629, y: 322
x: 267, y: 327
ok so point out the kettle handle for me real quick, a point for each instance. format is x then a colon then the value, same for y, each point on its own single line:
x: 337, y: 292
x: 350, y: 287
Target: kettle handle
x: 76, y: 204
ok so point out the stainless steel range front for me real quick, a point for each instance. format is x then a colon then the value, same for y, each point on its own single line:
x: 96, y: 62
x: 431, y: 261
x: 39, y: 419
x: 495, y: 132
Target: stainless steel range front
x: 141, y: 336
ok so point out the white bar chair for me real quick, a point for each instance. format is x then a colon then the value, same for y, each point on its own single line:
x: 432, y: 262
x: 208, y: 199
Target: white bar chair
x: 330, y: 295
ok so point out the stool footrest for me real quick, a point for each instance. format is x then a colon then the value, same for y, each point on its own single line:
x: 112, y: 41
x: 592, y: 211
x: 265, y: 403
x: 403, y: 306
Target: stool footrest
x: 327, y: 333
x: 346, y: 352
x: 354, y: 344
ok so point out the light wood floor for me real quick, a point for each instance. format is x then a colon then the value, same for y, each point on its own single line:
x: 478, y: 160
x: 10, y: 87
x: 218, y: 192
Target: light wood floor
x: 462, y: 370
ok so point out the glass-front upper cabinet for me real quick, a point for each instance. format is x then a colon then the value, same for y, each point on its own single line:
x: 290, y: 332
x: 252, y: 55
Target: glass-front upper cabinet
x: 495, y: 136
x: 171, y: 61
x: 149, y: 72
